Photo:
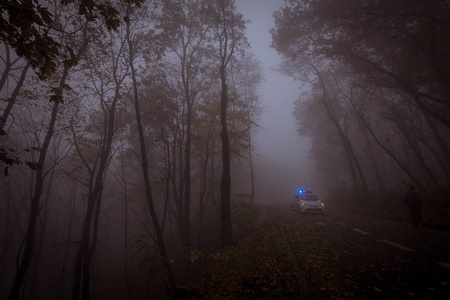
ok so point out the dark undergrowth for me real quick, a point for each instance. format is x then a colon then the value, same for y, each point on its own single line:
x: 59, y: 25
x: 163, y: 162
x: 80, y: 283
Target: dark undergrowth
x: 254, y: 268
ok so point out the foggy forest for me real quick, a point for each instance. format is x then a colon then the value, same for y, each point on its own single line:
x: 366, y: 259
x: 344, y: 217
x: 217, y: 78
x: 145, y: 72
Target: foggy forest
x: 129, y: 149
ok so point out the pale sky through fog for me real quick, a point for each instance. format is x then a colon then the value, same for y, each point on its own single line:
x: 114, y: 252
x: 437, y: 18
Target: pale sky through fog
x: 283, y: 153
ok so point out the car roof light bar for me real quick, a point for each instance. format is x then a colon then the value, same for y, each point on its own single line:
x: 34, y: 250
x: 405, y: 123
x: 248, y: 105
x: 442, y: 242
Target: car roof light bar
x: 304, y: 192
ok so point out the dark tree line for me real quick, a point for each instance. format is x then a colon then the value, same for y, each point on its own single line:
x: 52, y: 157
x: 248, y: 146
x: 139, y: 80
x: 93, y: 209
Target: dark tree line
x: 117, y: 119
x: 378, y: 105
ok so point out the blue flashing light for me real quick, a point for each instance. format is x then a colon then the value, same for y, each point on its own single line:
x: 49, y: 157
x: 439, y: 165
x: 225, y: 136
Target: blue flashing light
x: 303, y: 192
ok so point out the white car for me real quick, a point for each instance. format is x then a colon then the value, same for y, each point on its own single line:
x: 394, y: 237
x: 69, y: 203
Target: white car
x: 306, y: 201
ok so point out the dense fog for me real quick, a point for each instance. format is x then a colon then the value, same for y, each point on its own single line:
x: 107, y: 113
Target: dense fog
x: 132, y: 131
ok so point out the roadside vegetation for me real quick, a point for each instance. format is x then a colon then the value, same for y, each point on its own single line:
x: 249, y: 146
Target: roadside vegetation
x: 256, y: 267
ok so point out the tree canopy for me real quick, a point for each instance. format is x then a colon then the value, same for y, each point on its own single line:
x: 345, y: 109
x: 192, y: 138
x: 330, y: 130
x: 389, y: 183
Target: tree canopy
x: 28, y: 26
x: 400, y: 44
x: 380, y: 71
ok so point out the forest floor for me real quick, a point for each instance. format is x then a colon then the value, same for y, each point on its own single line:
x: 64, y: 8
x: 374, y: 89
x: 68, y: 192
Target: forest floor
x: 252, y: 269
x: 264, y: 265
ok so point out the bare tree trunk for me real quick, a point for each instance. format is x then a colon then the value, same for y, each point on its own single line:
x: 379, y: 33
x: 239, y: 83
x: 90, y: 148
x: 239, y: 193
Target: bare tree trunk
x: 62, y: 284
x: 8, y: 65
x: 213, y: 176
x: 144, y: 161
x: 125, y: 263
x: 186, y: 216
x: 35, y: 208
x: 13, y: 98
x: 376, y: 170
x: 91, y: 250
x: 38, y: 188
x: 226, y: 28
x: 202, y: 195
x: 402, y: 166
x: 173, y: 178
x: 226, y: 238
x: 88, y: 239
x: 43, y: 226
x: 167, y: 203
x: 422, y: 102
x: 355, y: 167
x: 10, y: 226
x: 357, y: 173
x: 252, y: 174
x: 82, y: 250
x: 412, y: 142
x: 445, y: 151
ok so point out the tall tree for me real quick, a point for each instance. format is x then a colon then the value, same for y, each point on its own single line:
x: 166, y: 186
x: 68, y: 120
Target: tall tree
x: 132, y: 42
x: 229, y: 28
x: 185, y: 22
x: 29, y: 241
x: 246, y: 76
x: 107, y: 72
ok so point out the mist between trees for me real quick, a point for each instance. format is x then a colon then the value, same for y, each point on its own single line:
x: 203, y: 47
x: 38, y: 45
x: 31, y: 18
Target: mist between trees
x: 122, y: 122
x: 377, y: 103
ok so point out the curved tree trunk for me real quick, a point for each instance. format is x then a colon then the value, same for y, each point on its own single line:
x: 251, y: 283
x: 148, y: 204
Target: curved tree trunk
x: 87, y: 246
x: 376, y: 170
x: 144, y: 162
x: 327, y: 99
x: 82, y: 269
x: 13, y: 98
x: 402, y: 166
x: 29, y: 241
x: 357, y: 172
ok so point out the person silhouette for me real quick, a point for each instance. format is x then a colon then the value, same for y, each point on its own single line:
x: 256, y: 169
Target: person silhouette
x: 414, y: 203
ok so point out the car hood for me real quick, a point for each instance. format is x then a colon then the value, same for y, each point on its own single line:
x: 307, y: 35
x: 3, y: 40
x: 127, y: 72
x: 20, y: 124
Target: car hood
x: 318, y: 202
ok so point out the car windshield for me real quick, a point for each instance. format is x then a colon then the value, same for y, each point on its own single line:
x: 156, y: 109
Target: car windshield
x: 310, y: 197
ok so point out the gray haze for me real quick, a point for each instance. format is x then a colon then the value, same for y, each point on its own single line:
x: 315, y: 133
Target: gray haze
x: 123, y: 159
x: 282, y: 165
